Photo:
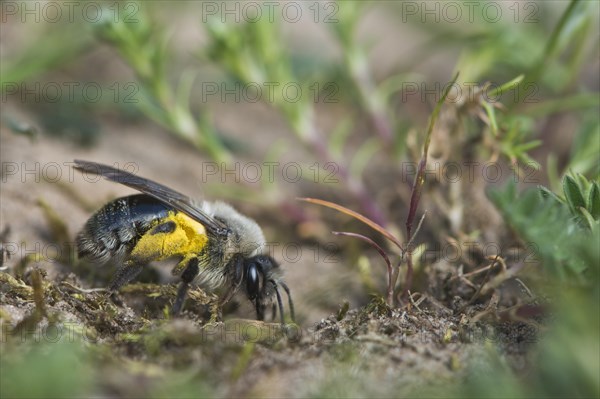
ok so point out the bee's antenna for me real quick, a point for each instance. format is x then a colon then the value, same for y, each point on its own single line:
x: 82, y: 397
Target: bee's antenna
x: 291, y: 303
x: 279, y: 302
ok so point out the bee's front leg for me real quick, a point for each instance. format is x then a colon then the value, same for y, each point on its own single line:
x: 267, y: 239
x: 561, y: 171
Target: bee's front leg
x: 187, y: 277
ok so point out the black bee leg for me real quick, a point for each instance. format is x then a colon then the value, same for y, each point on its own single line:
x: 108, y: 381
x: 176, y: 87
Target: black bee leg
x: 260, y: 310
x: 279, y: 303
x: 125, y: 274
x: 180, y: 299
x: 273, y: 311
x: 188, y: 275
x: 290, y: 302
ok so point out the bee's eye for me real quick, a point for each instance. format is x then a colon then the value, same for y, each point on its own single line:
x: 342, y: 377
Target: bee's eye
x: 252, y: 281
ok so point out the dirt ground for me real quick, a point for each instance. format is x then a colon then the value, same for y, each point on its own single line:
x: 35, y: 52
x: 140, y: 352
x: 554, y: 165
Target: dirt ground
x: 333, y: 351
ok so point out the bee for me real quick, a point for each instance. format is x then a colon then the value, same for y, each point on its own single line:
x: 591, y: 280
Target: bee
x: 214, y: 243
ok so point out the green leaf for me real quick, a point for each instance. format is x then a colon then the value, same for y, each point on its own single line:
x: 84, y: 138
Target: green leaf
x: 589, y: 220
x: 528, y: 146
x: 506, y: 87
x: 546, y: 193
x: 573, y: 194
x: 549, y: 229
x: 491, y: 113
x: 593, y: 205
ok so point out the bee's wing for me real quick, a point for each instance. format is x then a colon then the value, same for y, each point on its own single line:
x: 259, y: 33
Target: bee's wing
x: 162, y: 193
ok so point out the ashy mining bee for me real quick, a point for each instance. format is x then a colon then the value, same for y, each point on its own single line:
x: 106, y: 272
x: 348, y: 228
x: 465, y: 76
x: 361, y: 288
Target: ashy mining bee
x: 216, y: 245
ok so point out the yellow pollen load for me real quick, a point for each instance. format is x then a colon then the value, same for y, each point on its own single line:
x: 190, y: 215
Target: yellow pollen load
x: 188, y: 237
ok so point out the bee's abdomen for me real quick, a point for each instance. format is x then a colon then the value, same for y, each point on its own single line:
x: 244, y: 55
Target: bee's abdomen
x: 114, y: 229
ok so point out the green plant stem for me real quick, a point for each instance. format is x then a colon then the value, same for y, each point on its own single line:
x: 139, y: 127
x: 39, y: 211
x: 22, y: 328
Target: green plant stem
x: 550, y: 48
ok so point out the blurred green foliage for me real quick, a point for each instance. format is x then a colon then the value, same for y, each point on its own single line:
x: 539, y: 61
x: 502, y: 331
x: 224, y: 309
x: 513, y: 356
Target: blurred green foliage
x: 58, y: 370
x: 144, y: 46
x: 48, y: 49
x: 565, y: 233
x: 249, y: 54
x: 67, y: 368
x: 542, y: 63
x: 550, y: 60
x: 555, y: 228
x: 565, y: 361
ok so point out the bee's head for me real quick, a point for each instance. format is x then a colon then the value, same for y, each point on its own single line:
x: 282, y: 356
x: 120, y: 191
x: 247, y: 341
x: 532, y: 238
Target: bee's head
x: 262, y: 282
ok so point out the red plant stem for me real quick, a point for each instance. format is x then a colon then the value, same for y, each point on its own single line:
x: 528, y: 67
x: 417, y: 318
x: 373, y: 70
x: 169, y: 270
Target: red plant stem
x: 418, y: 186
x: 396, y: 273
x: 416, y: 195
x: 409, y: 274
x: 414, y: 203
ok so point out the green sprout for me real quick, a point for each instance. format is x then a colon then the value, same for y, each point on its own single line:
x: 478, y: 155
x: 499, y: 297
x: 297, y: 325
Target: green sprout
x: 145, y: 48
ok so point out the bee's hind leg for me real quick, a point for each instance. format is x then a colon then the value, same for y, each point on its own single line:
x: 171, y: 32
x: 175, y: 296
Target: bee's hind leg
x: 125, y: 274
x: 189, y: 274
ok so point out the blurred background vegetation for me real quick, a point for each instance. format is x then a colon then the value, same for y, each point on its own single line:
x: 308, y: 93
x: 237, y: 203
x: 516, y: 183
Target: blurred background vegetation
x: 370, y: 73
